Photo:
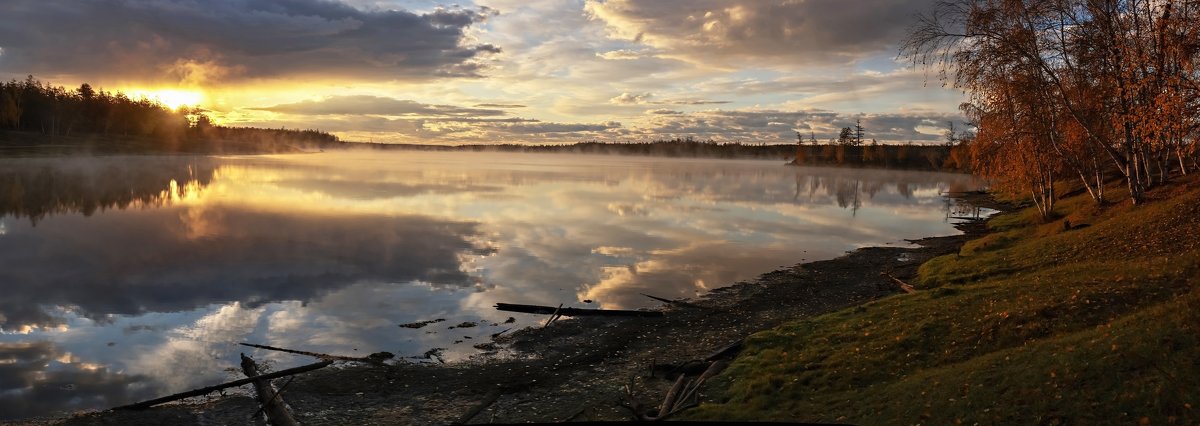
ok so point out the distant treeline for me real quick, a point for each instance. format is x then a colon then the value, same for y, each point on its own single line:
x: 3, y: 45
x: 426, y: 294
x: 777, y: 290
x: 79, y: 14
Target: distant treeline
x: 55, y: 114
x: 666, y: 148
x: 905, y: 156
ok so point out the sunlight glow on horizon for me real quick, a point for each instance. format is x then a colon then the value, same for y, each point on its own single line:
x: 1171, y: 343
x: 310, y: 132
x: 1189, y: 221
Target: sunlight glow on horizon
x: 171, y: 98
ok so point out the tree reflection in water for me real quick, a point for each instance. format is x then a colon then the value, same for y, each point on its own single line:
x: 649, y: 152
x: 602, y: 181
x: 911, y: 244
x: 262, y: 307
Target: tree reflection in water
x: 34, y: 188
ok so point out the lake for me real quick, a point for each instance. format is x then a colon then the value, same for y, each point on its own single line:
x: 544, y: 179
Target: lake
x: 130, y: 277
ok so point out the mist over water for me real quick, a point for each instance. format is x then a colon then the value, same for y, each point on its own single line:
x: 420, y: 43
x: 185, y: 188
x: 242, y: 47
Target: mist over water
x: 132, y: 277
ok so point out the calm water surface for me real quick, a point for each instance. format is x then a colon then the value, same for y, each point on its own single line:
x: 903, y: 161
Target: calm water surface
x: 125, y: 278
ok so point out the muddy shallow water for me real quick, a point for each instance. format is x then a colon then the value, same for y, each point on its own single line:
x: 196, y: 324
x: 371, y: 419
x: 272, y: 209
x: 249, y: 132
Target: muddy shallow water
x: 132, y: 277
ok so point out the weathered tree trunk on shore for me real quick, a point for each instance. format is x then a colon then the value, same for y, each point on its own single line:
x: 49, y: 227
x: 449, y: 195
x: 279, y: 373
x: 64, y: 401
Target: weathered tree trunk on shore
x: 375, y: 358
x: 574, y: 312
x: 272, y: 402
x: 906, y: 287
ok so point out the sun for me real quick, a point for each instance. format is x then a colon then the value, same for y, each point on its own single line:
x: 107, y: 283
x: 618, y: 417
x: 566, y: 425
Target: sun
x: 171, y: 98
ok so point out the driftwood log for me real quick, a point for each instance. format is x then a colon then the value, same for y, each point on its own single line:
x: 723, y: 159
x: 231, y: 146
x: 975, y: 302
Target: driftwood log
x: 574, y: 312
x: 681, y: 396
x: 376, y: 358
x: 554, y: 316
x: 697, y: 366
x: 668, y: 404
x: 676, y: 302
x: 903, y: 285
x: 690, y: 394
x: 725, y: 352
x: 684, y: 393
x: 272, y: 402
x: 488, y: 399
x: 207, y: 390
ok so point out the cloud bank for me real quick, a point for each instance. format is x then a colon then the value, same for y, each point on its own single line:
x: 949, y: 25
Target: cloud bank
x: 781, y: 31
x: 201, y: 42
x: 376, y: 105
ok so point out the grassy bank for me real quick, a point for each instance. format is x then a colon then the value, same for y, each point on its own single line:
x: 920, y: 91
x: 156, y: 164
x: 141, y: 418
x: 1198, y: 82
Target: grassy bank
x: 1099, y: 324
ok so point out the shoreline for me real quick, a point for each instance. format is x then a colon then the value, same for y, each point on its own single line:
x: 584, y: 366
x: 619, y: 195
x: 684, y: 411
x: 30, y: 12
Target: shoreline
x: 578, y: 369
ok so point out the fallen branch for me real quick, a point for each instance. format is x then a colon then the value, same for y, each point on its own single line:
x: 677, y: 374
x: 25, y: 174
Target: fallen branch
x: 281, y: 389
x: 373, y: 358
x: 574, y: 312
x: 903, y: 285
x: 573, y: 416
x: 487, y: 401
x: 631, y: 403
x: 272, y: 402
x: 713, y: 369
x: 554, y: 316
x: 204, y: 391
x: 668, y: 403
x: 728, y: 351
x: 689, y: 367
x: 676, y: 302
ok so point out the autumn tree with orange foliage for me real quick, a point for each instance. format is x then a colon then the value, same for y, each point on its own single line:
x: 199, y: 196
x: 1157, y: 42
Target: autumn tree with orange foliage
x: 1014, y: 144
x: 1112, y: 83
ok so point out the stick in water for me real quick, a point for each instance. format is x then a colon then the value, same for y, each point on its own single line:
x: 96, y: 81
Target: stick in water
x: 204, y: 391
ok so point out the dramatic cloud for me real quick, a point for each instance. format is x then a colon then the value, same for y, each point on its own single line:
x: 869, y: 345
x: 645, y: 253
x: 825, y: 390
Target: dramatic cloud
x: 784, y: 31
x: 568, y: 70
x: 765, y: 125
x: 375, y: 105
x: 197, y: 42
x: 375, y: 118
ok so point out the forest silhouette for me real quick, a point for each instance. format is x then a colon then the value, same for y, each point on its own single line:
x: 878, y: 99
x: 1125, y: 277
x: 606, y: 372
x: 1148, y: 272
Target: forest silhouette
x: 41, y: 114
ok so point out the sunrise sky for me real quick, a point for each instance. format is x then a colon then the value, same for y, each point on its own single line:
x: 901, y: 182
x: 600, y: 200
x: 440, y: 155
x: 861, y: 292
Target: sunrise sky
x: 491, y: 71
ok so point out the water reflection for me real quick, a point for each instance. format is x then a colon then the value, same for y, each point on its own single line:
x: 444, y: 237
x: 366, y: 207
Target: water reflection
x: 124, y: 271
x: 176, y: 259
x: 34, y: 188
x: 39, y: 377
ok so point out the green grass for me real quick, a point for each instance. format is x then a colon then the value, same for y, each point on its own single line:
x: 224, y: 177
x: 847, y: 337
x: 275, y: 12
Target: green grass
x: 1028, y: 324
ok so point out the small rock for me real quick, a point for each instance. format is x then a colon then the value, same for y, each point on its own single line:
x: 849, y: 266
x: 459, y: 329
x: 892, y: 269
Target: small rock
x: 380, y: 356
x: 420, y: 324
